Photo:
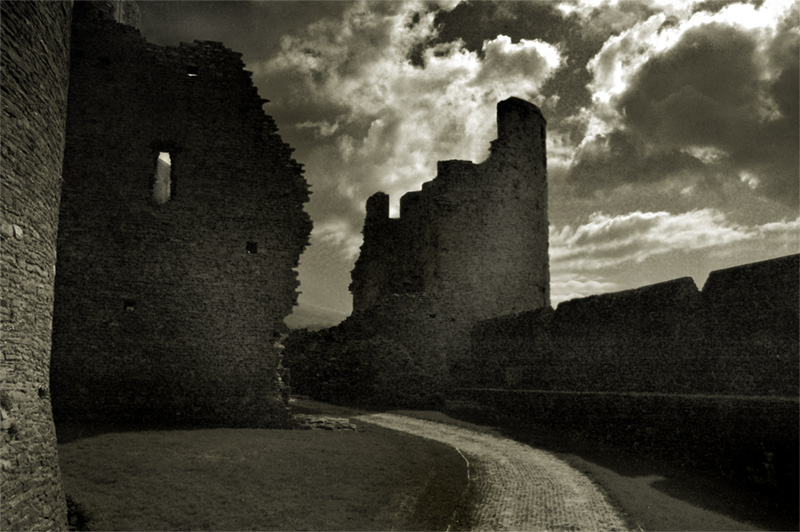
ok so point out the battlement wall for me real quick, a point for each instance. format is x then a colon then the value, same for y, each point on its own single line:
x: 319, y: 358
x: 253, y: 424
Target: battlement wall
x: 736, y: 337
x: 173, y: 279
x: 706, y: 378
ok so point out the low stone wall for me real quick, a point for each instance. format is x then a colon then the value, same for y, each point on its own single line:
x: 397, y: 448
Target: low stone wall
x: 390, y: 355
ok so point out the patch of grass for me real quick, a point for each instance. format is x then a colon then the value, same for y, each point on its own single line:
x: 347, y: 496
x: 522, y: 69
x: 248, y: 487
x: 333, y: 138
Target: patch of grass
x: 252, y: 479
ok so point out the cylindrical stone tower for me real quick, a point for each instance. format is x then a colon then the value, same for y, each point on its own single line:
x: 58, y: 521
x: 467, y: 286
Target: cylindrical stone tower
x: 35, y: 74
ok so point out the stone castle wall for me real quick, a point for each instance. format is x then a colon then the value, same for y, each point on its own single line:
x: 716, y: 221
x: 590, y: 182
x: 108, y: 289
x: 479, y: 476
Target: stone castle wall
x: 35, y: 61
x: 475, y: 236
x: 473, y: 242
x: 708, y: 378
x: 170, y: 296
x: 736, y: 337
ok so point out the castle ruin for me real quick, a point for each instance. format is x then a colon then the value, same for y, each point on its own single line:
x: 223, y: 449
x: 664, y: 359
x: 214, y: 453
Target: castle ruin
x: 179, y: 225
x: 471, y: 245
x: 475, y: 236
x: 181, y: 222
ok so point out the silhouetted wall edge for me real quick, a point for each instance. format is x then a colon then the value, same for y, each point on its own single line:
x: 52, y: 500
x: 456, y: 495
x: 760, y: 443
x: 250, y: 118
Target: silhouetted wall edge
x: 707, y: 376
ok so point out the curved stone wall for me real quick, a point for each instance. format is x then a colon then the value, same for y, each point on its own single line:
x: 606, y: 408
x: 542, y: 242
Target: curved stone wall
x: 35, y: 59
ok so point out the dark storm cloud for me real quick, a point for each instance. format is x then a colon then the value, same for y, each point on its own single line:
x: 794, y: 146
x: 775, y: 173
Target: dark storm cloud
x: 716, y: 103
x: 252, y: 28
x: 700, y: 92
x: 476, y: 22
x: 621, y: 157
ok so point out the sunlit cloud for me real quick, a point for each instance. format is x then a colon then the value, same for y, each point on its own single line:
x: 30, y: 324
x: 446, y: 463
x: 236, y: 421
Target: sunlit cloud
x: 608, y: 241
x: 565, y: 286
x: 338, y: 235
x: 612, y: 253
x: 401, y: 103
x: 696, y: 94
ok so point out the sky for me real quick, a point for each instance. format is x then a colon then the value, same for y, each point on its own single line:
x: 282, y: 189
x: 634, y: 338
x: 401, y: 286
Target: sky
x: 672, y: 136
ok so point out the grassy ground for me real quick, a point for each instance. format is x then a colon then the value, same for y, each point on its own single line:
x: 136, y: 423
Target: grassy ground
x: 225, y: 479
x: 370, y: 480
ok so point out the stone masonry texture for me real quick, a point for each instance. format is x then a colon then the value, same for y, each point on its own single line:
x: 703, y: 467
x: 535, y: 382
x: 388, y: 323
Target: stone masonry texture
x: 471, y: 245
x: 736, y: 337
x: 710, y: 377
x: 169, y: 305
x: 35, y: 63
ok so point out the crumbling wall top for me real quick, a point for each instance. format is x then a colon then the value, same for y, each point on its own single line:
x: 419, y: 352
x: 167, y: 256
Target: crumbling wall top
x: 122, y: 11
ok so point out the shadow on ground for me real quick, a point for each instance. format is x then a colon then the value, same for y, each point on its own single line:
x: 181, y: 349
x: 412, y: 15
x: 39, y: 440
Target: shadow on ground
x: 655, y: 490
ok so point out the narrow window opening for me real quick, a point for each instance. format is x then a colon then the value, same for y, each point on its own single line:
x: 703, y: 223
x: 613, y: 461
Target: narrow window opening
x: 163, y: 187
x: 192, y: 71
x: 129, y: 305
x: 251, y: 248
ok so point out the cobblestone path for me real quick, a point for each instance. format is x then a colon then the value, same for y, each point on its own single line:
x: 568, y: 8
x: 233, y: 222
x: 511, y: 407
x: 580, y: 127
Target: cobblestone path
x: 518, y: 487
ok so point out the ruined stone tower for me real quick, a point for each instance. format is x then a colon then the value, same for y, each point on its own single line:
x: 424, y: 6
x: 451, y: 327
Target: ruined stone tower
x: 475, y: 236
x: 35, y: 61
x: 181, y: 222
x: 471, y: 245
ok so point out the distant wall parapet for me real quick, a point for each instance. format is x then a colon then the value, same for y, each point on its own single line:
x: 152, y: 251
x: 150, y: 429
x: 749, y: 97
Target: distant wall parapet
x: 739, y: 336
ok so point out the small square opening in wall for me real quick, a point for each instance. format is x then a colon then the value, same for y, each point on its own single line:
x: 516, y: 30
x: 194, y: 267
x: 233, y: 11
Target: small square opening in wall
x: 251, y: 248
x: 192, y: 71
x: 129, y: 305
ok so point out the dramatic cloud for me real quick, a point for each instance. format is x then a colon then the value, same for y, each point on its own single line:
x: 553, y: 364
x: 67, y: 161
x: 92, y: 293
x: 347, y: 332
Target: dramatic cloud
x: 674, y: 121
x: 594, y: 257
x: 337, y: 235
x: 400, y: 103
x: 710, y: 96
x: 385, y: 99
